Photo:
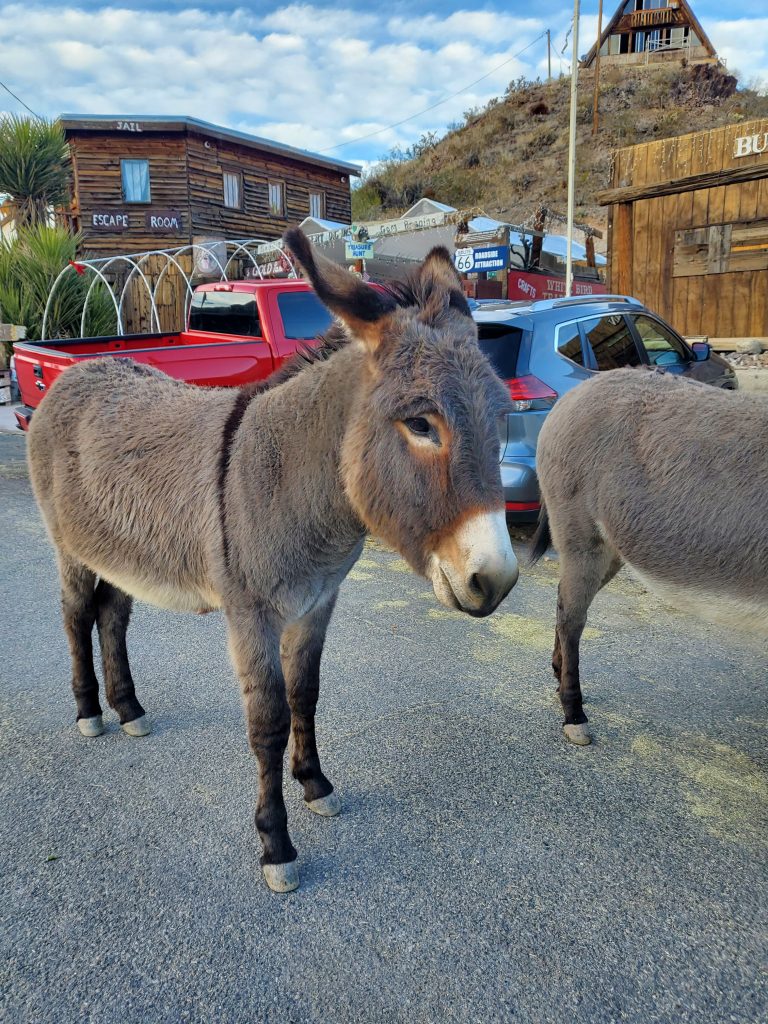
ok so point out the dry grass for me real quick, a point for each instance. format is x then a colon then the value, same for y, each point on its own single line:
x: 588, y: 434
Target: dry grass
x: 511, y: 157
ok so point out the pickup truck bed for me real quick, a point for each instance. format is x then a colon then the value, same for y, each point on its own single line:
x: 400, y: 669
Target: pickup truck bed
x: 279, y: 316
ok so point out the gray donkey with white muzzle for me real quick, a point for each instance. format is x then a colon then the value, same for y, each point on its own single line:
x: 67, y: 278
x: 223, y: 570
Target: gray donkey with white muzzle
x: 257, y: 501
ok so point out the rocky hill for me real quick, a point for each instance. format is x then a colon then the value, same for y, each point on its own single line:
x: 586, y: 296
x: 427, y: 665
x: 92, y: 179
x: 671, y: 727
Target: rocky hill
x: 511, y: 156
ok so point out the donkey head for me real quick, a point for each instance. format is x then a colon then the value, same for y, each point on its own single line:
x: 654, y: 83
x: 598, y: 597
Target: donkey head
x: 420, y: 459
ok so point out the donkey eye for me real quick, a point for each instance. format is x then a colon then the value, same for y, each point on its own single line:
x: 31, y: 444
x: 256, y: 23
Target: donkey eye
x: 419, y: 426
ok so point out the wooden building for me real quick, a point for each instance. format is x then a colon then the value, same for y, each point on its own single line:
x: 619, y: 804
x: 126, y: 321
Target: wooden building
x: 652, y: 31
x: 143, y: 183
x: 688, y: 229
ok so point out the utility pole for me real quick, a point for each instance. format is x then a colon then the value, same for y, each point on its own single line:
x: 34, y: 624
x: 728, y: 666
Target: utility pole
x: 572, y: 152
x: 597, y: 67
x: 549, y: 52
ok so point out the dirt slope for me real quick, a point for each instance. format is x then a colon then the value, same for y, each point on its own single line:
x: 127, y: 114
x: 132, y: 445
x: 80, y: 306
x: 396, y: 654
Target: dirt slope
x: 511, y: 156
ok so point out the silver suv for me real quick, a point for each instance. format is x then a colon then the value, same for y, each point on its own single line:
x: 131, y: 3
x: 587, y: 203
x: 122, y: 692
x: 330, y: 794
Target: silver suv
x: 543, y: 349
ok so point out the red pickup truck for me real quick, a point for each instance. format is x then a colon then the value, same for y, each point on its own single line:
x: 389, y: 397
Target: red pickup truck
x: 238, y: 331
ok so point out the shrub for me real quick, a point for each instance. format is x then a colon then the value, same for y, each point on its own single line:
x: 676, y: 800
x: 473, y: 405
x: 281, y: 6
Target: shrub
x: 29, y: 266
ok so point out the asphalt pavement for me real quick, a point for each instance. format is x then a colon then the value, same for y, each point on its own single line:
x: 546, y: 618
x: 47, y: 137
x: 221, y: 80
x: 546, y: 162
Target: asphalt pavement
x: 482, y: 870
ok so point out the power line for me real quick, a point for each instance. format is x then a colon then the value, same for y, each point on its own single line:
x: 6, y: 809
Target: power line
x: 439, y: 103
x: 21, y: 101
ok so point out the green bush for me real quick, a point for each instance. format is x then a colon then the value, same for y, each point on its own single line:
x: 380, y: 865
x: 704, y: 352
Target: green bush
x: 29, y: 266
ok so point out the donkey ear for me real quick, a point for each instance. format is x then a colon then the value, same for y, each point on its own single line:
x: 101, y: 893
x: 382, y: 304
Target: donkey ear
x: 364, y: 310
x: 438, y: 275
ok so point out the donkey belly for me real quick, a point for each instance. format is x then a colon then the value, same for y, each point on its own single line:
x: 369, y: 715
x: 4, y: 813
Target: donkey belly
x: 747, y: 614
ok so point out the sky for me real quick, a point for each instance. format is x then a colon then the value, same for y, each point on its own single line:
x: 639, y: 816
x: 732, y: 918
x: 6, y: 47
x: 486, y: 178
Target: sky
x: 328, y: 77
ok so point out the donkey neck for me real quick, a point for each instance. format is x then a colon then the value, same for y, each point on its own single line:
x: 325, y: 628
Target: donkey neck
x: 286, y: 458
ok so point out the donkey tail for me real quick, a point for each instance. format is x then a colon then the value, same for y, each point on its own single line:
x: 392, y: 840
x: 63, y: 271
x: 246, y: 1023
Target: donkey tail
x: 542, y: 538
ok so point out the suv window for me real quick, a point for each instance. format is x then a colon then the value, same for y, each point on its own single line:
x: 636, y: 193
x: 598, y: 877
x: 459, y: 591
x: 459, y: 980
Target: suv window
x: 611, y: 342
x: 663, y: 348
x: 501, y: 345
x: 303, y: 314
x: 569, y: 343
x: 225, y: 312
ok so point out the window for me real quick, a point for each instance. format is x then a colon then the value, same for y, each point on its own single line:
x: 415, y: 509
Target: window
x: 225, y: 312
x: 501, y: 346
x: 317, y: 204
x: 663, y: 348
x: 304, y: 316
x: 276, y: 198
x: 135, y: 175
x: 569, y: 343
x: 233, y: 190
x: 611, y: 342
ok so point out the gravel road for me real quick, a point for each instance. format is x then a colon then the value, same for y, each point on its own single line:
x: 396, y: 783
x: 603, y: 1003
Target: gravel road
x: 482, y: 870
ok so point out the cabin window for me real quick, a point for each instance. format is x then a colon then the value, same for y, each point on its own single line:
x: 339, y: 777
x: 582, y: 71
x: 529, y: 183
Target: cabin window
x: 277, y: 198
x: 233, y: 190
x: 135, y: 175
x: 225, y: 313
x: 317, y: 204
x: 303, y: 314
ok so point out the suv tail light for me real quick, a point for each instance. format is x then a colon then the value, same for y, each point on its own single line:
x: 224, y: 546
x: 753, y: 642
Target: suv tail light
x: 529, y: 392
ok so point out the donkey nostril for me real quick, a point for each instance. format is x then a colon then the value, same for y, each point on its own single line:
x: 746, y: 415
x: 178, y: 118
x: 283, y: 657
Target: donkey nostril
x: 482, y: 585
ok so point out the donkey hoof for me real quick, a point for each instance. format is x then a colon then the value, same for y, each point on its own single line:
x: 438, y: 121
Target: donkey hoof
x: 329, y: 806
x: 137, y: 727
x: 281, y: 877
x: 91, y: 726
x: 578, y: 734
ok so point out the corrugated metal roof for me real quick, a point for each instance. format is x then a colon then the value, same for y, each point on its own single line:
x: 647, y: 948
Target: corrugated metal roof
x: 97, y: 121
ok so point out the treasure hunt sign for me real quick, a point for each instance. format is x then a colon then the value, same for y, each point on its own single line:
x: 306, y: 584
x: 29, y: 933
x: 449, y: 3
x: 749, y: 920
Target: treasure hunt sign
x: 521, y: 285
x: 358, y: 250
x: 477, y: 261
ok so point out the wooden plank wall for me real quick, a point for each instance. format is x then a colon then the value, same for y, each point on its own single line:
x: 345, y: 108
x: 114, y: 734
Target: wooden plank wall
x: 642, y: 245
x: 96, y: 159
x: 210, y: 216
x: 186, y: 172
x: 170, y: 297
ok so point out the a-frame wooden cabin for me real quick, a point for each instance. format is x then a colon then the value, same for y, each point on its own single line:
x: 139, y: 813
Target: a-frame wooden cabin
x: 652, y: 31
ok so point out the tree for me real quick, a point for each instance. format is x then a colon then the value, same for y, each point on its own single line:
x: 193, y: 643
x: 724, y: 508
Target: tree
x: 34, y: 167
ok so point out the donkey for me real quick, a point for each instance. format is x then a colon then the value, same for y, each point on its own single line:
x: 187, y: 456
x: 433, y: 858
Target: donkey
x: 668, y: 476
x: 257, y: 502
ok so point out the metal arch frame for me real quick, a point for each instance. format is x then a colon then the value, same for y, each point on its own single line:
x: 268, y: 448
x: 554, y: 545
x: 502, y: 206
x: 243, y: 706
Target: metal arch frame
x: 101, y: 266
x: 53, y: 289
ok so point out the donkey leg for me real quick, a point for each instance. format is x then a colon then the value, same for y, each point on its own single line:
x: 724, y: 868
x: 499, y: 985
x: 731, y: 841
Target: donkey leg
x: 557, y: 654
x: 78, y: 606
x: 301, y: 648
x: 113, y: 610
x: 255, y: 651
x: 582, y: 574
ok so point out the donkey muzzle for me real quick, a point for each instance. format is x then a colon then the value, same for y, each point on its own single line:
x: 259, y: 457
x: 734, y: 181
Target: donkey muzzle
x: 474, y: 568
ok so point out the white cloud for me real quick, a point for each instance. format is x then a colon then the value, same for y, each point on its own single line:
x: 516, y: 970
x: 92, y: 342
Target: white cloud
x: 743, y: 44
x: 306, y: 76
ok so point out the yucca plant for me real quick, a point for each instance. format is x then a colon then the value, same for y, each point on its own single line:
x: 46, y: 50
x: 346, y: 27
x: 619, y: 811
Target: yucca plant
x: 34, y: 167
x: 29, y: 265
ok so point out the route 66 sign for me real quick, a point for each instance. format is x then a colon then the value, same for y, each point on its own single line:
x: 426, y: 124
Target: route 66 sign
x: 464, y: 260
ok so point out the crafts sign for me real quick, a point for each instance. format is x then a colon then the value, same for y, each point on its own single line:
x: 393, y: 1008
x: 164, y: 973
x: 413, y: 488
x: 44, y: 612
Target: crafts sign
x: 476, y: 261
